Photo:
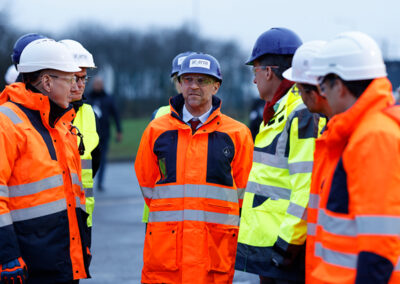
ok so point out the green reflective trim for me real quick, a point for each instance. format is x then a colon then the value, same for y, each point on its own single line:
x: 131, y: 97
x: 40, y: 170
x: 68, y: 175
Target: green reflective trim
x: 35, y: 187
x: 86, y: 164
x: 147, y: 191
x: 313, y: 202
x: 38, y: 211
x: 195, y: 190
x: 3, y: 191
x: 270, y: 191
x: 297, y: 211
x: 300, y: 167
x: 193, y: 215
x: 10, y: 114
x: 347, y: 260
x: 5, y: 220
x: 368, y: 225
x: 270, y: 160
x: 311, y: 229
x: 88, y: 192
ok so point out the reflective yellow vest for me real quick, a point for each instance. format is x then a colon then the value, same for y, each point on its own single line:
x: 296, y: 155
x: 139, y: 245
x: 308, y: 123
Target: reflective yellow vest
x: 85, y: 121
x: 277, y: 192
x: 160, y: 112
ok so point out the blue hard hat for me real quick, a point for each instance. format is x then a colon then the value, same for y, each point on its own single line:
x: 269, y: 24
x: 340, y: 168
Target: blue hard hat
x: 177, y: 61
x: 201, y: 63
x: 275, y: 41
x: 21, y: 43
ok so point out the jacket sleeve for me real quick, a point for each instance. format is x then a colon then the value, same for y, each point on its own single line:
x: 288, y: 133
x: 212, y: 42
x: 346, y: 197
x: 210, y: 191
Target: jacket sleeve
x: 372, y: 165
x: 304, y: 129
x: 9, y: 248
x: 243, y: 161
x: 146, y: 165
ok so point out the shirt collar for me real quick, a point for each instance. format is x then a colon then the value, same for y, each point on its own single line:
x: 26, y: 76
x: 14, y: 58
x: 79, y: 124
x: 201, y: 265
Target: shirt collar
x: 187, y: 116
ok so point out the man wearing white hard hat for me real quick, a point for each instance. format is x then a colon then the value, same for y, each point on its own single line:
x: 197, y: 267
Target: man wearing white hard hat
x: 86, y: 122
x: 43, y: 230
x: 357, y: 233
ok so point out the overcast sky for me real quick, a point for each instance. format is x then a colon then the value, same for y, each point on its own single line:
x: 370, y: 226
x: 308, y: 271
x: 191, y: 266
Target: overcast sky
x: 240, y: 20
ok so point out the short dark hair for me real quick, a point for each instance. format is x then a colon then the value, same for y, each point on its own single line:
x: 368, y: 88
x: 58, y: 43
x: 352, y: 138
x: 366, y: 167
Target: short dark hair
x: 29, y: 78
x: 284, y: 61
x: 308, y: 88
x: 356, y: 88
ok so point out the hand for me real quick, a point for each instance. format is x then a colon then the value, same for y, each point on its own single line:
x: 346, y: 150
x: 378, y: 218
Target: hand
x: 118, y: 137
x: 14, y: 272
x: 281, y: 258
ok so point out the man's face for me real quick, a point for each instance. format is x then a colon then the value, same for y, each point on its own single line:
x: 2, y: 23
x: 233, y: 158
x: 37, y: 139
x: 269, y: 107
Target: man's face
x: 331, y: 90
x: 61, y: 85
x: 77, y: 94
x: 309, y: 98
x: 260, y: 79
x: 197, y: 90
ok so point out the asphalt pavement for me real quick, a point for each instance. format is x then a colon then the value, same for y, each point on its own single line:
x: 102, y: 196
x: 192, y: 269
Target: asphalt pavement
x: 118, y: 233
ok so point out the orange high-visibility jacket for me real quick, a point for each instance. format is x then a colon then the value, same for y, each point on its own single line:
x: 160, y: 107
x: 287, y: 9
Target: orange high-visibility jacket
x: 42, y: 202
x: 358, y: 180
x: 193, y: 185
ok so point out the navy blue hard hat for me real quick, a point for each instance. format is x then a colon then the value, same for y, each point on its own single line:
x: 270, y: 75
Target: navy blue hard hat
x: 275, y: 41
x: 21, y: 43
x: 177, y: 61
x: 201, y: 63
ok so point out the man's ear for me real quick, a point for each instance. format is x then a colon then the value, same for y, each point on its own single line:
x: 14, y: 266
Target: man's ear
x: 216, y: 86
x: 47, y: 83
x: 269, y: 75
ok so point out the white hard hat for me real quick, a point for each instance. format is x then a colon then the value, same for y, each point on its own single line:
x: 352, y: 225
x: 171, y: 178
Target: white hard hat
x: 301, y: 63
x: 352, y: 56
x: 46, y: 54
x: 83, y: 57
x: 11, y: 75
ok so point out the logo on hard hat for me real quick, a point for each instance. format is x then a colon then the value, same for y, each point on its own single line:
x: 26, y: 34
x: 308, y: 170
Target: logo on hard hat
x: 199, y: 63
x: 180, y: 60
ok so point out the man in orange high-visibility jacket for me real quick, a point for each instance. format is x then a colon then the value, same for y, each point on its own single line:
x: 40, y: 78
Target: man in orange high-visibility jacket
x: 357, y: 234
x: 43, y: 226
x: 192, y: 166
x: 316, y: 103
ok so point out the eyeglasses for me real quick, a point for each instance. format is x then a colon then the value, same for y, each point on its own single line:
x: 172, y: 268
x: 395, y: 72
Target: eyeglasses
x: 200, y: 81
x: 257, y: 68
x: 83, y: 79
x: 70, y: 80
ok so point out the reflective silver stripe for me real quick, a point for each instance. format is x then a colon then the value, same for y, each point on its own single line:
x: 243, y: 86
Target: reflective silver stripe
x: 270, y: 191
x: 3, y: 191
x: 75, y: 179
x: 5, y: 220
x: 193, y: 215
x: 297, y: 211
x: 300, y: 167
x: 195, y: 190
x: 282, y: 140
x: 147, y: 192
x: 39, y: 210
x: 86, y: 164
x: 334, y: 225
x: 270, y: 160
x: 348, y: 260
x: 88, y: 192
x: 10, y: 114
x: 375, y: 225
x: 241, y: 192
x: 78, y: 203
x: 313, y: 202
x: 35, y: 187
x: 311, y: 229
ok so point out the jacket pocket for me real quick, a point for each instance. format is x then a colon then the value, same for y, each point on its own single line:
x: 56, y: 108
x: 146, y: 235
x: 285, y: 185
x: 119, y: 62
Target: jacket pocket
x: 222, y: 244
x: 160, y: 247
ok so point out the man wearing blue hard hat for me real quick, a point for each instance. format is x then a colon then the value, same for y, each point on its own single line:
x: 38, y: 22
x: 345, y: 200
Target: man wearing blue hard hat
x: 273, y: 222
x: 192, y: 166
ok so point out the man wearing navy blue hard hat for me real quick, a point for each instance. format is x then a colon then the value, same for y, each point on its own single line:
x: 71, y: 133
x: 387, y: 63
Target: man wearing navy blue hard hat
x: 273, y: 224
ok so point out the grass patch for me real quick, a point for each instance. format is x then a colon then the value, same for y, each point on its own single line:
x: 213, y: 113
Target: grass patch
x: 132, y: 130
